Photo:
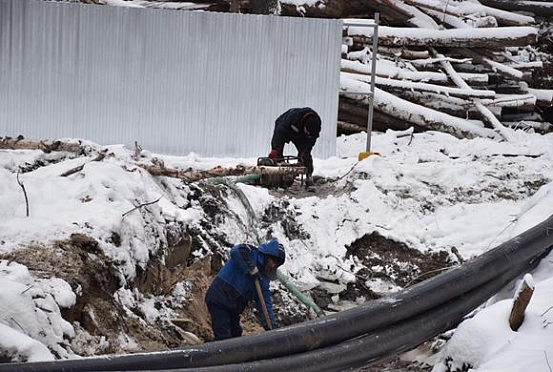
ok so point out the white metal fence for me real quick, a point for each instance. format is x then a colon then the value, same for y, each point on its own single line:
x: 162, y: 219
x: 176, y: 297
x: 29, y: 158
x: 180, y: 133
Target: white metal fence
x: 211, y: 83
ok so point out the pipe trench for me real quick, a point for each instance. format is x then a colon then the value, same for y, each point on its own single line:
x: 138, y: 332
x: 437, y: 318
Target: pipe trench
x: 350, y: 338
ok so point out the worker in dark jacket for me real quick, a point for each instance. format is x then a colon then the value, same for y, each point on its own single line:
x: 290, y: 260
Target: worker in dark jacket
x: 301, y: 126
x: 234, y: 287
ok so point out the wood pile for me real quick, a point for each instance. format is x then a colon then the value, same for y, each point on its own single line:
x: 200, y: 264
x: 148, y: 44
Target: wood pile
x: 468, y: 68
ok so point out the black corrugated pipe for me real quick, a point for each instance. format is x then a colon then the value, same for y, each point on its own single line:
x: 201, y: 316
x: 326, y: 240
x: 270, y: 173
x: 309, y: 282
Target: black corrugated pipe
x: 329, y: 330
x: 382, y: 343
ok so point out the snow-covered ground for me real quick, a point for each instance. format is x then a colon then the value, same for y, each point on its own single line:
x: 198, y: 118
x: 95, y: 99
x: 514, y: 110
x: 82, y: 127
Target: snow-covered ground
x: 430, y: 191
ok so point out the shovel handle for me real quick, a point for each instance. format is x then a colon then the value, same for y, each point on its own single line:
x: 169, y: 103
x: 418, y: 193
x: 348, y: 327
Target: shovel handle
x: 263, y: 304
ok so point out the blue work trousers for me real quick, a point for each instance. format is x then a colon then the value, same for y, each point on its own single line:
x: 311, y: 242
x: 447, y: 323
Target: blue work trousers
x: 225, y: 323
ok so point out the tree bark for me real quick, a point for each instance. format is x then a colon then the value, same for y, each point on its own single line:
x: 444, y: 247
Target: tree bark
x: 489, y: 38
x: 19, y: 143
x: 403, y: 52
x: 395, y: 72
x: 488, y: 115
x: 424, y: 117
x: 263, y: 6
x: 522, y: 102
x: 416, y: 17
x: 353, y: 111
x: 349, y: 128
x: 447, y: 8
x: 190, y: 175
x: 506, y: 71
x: 424, y: 87
x: 539, y: 7
x: 100, y: 157
x: 344, y: 9
x: 508, y: 18
x: 450, y: 105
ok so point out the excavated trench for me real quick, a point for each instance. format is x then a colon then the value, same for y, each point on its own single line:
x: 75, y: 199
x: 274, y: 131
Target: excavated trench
x: 193, y: 256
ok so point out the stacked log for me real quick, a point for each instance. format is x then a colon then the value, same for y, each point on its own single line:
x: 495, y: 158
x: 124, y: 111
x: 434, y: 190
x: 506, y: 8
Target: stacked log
x: 467, y: 68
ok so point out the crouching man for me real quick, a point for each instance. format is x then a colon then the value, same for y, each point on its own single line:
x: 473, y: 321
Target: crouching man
x: 301, y: 126
x: 235, y: 286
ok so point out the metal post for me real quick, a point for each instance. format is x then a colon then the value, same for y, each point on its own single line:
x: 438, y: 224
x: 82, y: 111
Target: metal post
x: 370, y: 95
x: 373, y: 75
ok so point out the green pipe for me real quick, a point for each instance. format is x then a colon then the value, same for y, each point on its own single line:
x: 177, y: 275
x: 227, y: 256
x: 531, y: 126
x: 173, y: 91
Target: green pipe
x: 302, y: 297
x: 249, y: 211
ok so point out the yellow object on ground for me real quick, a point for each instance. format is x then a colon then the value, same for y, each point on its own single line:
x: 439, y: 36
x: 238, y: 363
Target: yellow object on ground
x: 364, y: 155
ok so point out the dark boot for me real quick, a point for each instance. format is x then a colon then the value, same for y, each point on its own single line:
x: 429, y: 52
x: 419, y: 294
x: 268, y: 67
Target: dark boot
x: 309, y: 180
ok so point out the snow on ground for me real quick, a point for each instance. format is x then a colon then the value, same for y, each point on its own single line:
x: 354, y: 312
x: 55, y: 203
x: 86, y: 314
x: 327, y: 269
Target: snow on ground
x: 430, y: 191
x: 30, y: 318
x: 93, y: 201
x: 486, y: 343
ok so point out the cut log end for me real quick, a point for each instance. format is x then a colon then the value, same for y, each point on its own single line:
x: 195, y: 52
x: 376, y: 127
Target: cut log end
x: 522, y: 298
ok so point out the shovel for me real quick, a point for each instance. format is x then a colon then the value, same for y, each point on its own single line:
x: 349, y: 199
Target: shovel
x: 263, y: 304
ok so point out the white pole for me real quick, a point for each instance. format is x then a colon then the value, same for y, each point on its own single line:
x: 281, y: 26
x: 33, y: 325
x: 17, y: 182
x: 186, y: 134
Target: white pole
x: 373, y: 75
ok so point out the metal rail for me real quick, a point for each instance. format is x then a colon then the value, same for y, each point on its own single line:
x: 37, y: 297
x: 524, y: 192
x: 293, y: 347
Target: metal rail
x: 374, y: 52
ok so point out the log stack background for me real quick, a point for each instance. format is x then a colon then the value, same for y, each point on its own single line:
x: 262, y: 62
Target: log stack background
x: 445, y: 57
x: 466, y: 67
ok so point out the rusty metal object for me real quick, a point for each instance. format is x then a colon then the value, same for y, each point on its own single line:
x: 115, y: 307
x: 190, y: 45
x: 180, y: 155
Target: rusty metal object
x: 280, y: 172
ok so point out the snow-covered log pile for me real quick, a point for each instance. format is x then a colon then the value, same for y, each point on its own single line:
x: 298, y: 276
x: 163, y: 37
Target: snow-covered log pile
x: 467, y: 68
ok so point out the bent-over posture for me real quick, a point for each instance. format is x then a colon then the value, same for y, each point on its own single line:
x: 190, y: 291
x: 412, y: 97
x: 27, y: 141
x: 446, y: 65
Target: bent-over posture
x: 301, y: 126
x: 234, y: 287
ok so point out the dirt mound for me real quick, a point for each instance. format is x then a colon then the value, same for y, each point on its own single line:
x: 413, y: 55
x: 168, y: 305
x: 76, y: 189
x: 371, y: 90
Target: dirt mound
x: 395, y: 262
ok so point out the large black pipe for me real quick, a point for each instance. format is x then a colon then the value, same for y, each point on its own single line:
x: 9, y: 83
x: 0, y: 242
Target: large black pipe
x: 382, y: 343
x: 329, y: 330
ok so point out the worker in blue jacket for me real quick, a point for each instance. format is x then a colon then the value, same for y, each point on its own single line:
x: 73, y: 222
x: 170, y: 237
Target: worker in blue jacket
x: 301, y: 126
x: 234, y: 287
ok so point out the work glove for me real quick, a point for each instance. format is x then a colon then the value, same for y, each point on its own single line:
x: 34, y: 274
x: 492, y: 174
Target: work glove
x: 266, y: 162
x: 254, y: 273
x: 274, y: 154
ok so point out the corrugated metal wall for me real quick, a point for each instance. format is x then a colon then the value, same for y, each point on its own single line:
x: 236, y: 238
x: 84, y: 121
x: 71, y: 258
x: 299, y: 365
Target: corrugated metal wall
x: 177, y: 82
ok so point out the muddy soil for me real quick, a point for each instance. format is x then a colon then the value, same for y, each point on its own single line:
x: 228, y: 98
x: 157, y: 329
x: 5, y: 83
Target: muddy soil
x: 397, y: 365
x: 191, y: 257
x: 396, y: 262
x: 95, y: 279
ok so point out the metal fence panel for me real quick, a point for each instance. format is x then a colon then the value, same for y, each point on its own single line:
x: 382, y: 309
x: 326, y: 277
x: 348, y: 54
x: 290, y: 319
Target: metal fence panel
x: 211, y: 83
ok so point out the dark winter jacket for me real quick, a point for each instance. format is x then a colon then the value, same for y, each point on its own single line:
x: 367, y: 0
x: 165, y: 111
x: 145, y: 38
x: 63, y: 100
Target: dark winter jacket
x: 234, y: 287
x: 289, y: 128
